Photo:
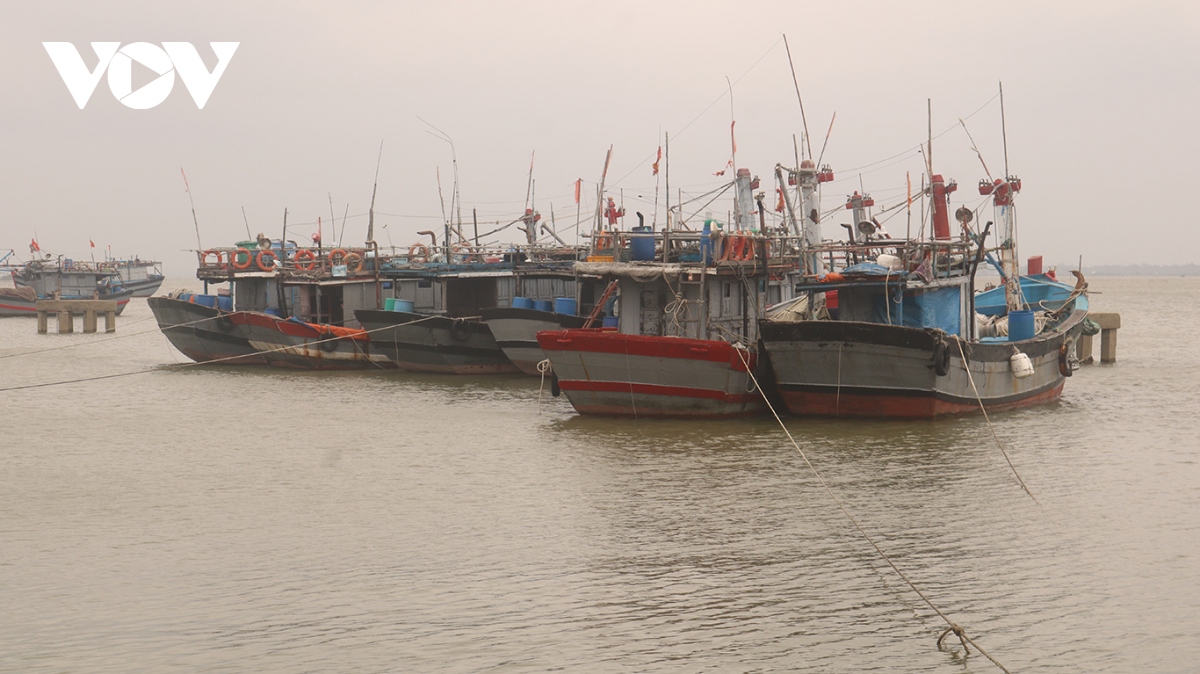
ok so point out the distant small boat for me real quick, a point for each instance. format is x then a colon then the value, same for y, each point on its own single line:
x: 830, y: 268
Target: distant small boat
x: 36, y: 280
x: 143, y: 277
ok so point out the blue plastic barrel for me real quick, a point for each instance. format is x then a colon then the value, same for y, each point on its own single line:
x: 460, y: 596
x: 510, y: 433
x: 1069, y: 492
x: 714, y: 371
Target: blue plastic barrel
x: 642, y: 244
x: 207, y: 301
x: 389, y: 304
x: 543, y: 305
x: 1020, y: 325
x: 224, y: 302
x: 566, y: 305
x: 611, y: 321
x: 522, y: 303
x: 402, y: 305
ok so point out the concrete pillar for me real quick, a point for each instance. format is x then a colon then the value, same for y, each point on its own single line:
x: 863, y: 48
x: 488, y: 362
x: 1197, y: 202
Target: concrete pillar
x: 1083, y: 350
x: 110, y: 321
x: 1109, y: 324
x: 66, y: 322
x: 89, y: 320
x: 43, y: 319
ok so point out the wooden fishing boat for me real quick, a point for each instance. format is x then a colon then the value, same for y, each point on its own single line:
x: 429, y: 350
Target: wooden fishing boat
x: 911, y: 339
x: 40, y: 280
x: 680, y: 320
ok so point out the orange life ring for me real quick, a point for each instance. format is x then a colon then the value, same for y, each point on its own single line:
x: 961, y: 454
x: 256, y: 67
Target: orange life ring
x: 241, y: 258
x: 418, y: 252
x: 338, y: 253
x: 605, y: 241
x: 309, y: 257
x: 205, y: 254
x: 258, y: 259
x: 464, y: 251
x: 732, y: 249
x: 357, y: 264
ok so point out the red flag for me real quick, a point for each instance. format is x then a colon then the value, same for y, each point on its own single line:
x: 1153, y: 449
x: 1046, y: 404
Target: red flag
x: 655, y: 166
x: 779, y: 206
x: 92, y: 242
x: 908, y: 180
x: 578, y: 185
x: 33, y: 246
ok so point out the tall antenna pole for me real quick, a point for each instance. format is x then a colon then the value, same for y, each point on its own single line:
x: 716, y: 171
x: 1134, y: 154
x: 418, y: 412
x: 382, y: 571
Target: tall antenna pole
x: 247, y: 221
x: 187, y: 188
x: 667, y: 173
x: 371, y: 212
x: 1003, y: 131
x: 796, y: 84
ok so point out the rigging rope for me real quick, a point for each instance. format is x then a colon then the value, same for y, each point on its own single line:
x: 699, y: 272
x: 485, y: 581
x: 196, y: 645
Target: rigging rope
x: 952, y: 626
x: 195, y: 363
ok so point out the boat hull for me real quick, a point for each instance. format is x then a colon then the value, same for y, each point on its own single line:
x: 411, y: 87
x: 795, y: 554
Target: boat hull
x: 603, y: 372
x: 515, y: 332
x: 144, y: 287
x: 198, y: 333
x: 205, y: 334
x: 437, y: 344
x: 848, y: 369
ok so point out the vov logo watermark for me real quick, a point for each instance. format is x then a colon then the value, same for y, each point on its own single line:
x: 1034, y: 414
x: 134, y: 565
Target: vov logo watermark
x: 167, y: 60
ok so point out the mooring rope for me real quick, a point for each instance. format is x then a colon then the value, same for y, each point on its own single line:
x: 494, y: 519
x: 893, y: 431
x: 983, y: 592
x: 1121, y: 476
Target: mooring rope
x: 952, y: 626
x: 542, y: 367
x: 979, y: 399
x: 195, y: 363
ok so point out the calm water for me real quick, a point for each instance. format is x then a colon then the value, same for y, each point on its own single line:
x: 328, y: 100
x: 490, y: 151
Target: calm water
x: 217, y: 519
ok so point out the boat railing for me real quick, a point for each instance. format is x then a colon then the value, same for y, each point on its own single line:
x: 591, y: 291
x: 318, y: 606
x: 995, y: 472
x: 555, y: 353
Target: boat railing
x: 927, y: 258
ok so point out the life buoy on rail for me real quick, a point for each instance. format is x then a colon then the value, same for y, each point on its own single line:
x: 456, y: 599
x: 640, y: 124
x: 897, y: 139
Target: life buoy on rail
x: 418, y: 252
x: 263, y: 264
x: 305, y: 260
x: 337, y: 256
x: 1064, y: 358
x: 354, y: 263
x: 605, y: 241
x: 241, y: 258
x: 462, y: 252
x: 216, y: 253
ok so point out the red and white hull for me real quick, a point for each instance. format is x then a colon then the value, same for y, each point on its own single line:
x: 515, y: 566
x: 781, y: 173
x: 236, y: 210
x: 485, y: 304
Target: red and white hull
x: 604, y: 372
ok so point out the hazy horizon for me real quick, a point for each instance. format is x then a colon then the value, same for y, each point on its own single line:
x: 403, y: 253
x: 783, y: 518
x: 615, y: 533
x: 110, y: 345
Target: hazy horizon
x: 1097, y: 97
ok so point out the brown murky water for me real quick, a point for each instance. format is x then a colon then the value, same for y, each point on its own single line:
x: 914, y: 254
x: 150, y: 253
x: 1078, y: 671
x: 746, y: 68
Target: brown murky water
x: 218, y: 519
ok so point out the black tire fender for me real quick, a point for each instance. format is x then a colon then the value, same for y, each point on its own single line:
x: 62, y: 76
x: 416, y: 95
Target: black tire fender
x: 941, y: 357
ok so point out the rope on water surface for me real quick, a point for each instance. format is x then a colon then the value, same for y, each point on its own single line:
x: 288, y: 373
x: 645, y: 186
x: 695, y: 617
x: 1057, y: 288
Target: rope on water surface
x: 991, y: 428
x: 953, y: 626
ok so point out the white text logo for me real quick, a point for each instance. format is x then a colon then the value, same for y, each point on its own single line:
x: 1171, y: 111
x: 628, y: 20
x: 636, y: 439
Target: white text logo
x: 172, y: 57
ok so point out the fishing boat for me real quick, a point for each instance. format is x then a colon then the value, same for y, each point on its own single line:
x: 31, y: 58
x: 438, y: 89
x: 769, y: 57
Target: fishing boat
x: 143, y: 277
x: 546, y: 299
x: 277, y: 304
x: 432, y: 322
x: 59, y: 279
x: 912, y: 339
x: 677, y: 325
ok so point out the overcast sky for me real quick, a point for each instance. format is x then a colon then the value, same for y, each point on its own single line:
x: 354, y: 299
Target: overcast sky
x: 1100, y: 98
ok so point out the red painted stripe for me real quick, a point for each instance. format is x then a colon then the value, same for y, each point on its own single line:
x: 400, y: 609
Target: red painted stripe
x: 655, y: 389
x: 607, y: 341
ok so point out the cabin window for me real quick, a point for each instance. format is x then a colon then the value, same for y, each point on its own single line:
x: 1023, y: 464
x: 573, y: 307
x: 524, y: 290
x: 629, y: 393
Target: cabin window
x: 424, y: 284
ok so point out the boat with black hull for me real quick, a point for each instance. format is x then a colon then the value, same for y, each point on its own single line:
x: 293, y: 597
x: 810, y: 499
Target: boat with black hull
x: 278, y: 305
x: 911, y: 339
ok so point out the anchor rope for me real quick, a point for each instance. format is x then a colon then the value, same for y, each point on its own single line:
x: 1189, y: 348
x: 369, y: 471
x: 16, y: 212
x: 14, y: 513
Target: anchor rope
x: 195, y: 363
x: 991, y: 428
x: 952, y: 626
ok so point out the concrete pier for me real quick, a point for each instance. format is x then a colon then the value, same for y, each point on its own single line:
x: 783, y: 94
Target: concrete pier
x: 1109, y: 324
x: 66, y: 310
